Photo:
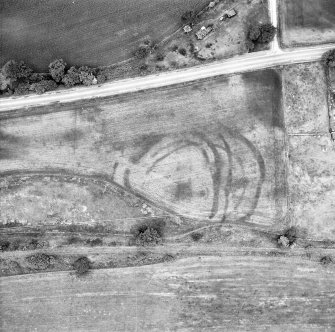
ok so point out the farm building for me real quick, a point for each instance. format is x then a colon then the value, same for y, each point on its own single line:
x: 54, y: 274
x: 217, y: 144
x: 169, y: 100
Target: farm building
x: 203, y: 32
x: 187, y: 28
x: 228, y: 14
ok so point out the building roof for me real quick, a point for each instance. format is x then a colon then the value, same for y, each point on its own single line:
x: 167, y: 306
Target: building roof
x: 203, y: 32
x: 187, y: 28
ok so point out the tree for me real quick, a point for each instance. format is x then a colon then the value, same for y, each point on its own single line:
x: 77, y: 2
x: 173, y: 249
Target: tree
x: 57, y: 69
x: 72, y: 77
x: 22, y: 89
x: 16, y: 70
x: 82, y: 265
x: 254, y: 32
x: 268, y: 32
x: 4, y: 82
x: 44, y: 86
x: 86, y: 76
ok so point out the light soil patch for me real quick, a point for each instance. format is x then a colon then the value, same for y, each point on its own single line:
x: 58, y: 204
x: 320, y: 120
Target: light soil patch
x: 217, y: 160
x: 306, y: 22
x: 312, y: 185
x: 305, y: 99
x: 66, y: 200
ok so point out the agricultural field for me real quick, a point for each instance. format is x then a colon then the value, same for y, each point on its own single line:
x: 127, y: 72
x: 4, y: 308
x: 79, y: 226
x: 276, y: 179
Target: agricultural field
x: 217, y: 177
x: 194, y: 294
x: 84, y: 32
x: 306, y: 22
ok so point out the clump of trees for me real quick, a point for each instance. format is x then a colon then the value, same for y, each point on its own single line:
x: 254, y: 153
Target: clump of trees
x: 149, y: 233
x: 260, y: 34
x: 18, y: 78
x: 82, y: 265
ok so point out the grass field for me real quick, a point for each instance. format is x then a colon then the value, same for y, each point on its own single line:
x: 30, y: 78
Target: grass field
x: 307, y: 22
x: 85, y: 32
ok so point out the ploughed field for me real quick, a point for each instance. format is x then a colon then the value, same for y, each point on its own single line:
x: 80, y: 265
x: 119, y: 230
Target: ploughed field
x: 307, y: 22
x: 85, y: 32
x: 228, y: 293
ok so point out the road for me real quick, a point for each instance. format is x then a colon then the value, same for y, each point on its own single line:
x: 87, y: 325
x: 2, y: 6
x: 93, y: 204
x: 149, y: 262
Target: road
x: 243, y: 63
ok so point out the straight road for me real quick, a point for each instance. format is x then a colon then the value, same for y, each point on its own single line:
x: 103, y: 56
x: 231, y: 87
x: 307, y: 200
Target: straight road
x: 243, y: 63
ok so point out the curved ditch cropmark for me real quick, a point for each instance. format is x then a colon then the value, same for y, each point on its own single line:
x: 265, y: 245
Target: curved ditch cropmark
x: 216, y: 177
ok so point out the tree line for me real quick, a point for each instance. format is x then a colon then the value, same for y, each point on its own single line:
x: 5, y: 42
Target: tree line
x: 18, y: 78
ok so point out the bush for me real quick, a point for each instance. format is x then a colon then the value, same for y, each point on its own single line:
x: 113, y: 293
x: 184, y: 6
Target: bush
x: 40, y: 261
x: 143, y: 67
x: 149, y: 233
x: 174, y: 48
x: 82, y: 265
x: 72, y: 77
x: 182, y: 51
x: 196, y: 236
x: 74, y: 240
x: 160, y: 57
x: 142, y: 52
x: 290, y: 236
x: 328, y: 58
x: 4, y: 245
x: 57, y: 69
x: 44, y: 86
x: 326, y: 260
x: 101, y: 78
x: 86, y: 76
x: 94, y: 242
x: 15, y: 70
x: 187, y: 17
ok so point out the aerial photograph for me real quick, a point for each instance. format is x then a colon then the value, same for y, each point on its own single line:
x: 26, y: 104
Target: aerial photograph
x: 167, y: 165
